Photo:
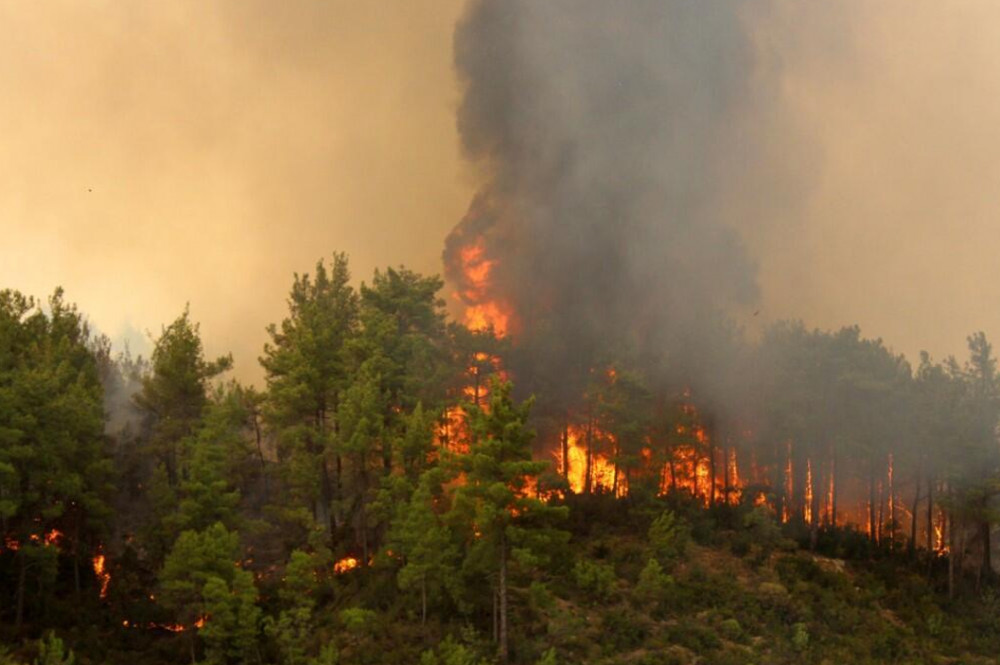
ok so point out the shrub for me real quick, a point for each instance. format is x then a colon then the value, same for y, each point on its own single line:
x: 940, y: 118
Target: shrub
x: 653, y: 584
x: 624, y: 631
x: 668, y: 538
x: 595, y: 578
x: 731, y: 629
x: 800, y: 637
x: 52, y: 651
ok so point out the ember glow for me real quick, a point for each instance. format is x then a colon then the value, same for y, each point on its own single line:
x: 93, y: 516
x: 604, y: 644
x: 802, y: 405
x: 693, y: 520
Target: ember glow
x: 99, y: 563
x: 345, y: 565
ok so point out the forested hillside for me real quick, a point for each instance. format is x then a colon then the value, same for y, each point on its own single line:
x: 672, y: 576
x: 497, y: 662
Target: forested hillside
x: 406, y: 489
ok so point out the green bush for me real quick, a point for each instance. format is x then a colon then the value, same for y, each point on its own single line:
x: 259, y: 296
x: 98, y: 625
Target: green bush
x: 653, y: 584
x: 595, y: 578
x: 622, y: 630
x: 731, y: 629
x: 668, y: 538
x: 800, y: 637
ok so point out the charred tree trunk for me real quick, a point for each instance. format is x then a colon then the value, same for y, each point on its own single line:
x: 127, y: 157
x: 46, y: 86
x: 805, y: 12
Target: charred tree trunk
x: 912, y: 545
x: 800, y: 474
x: 880, y: 521
x: 834, y: 469
x: 710, y: 442
x: 814, y: 509
x: 614, y: 479
x: 587, y: 482
x: 726, y: 475
x: 951, y: 565
x: 871, y: 502
x: 779, y: 481
x: 565, y: 452
x: 891, y: 481
x: 930, y: 514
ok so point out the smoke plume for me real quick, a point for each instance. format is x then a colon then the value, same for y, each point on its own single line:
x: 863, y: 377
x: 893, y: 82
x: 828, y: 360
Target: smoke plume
x: 616, y: 145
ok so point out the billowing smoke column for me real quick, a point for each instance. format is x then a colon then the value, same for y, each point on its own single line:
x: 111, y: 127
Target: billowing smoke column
x: 605, y: 134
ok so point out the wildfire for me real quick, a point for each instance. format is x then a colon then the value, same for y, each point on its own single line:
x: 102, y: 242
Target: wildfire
x: 809, y: 493
x: 600, y: 466
x: 483, y: 312
x: 453, y: 430
x: 345, y: 565
x: 102, y: 574
x: 487, y: 316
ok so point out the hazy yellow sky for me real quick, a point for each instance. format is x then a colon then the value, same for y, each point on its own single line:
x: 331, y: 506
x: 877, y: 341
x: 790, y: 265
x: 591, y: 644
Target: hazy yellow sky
x: 154, y: 153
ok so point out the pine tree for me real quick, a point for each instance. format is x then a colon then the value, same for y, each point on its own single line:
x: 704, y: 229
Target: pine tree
x: 175, y: 393
x: 422, y: 540
x: 506, y: 524
x: 55, y: 470
x: 307, y: 369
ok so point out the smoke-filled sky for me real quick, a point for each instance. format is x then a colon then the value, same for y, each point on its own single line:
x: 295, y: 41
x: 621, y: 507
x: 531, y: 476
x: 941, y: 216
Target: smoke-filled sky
x: 155, y: 153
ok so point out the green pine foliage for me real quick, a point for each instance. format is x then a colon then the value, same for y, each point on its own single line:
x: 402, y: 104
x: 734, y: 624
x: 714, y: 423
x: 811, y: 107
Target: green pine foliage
x: 384, y: 497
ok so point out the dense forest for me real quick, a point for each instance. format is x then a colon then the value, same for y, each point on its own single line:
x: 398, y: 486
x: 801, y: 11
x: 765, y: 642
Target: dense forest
x: 402, y: 488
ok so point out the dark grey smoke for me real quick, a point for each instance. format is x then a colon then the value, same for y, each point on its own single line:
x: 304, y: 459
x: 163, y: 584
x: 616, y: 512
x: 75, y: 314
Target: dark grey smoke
x: 612, y: 138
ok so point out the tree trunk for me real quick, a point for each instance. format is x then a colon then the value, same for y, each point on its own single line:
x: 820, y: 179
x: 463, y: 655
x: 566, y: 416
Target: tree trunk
x: 779, y: 483
x: 871, y: 501
x: 22, y: 580
x: 76, y: 556
x: 726, y: 479
x: 951, y: 563
x: 587, y: 483
x: 614, y: 480
x: 338, y: 490
x: 503, y: 598
x: 496, y: 616
x: 930, y: 514
x: 986, y: 568
x: 880, y: 522
x: 912, y: 546
x: 799, y: 476
x: 565, y: 451
x: 833, y: 486
x: 814, y: 507
x: 711, y: 470
x: 324, y: 500
x: 260, y: 454
x: 423, y: 601
x: 892, y: 504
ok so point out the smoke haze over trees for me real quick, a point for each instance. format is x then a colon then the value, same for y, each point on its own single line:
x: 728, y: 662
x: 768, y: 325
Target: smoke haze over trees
x: 604, y: 435
x: 870, y: 199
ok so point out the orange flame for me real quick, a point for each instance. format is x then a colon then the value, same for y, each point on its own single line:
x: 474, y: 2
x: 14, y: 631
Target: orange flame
x: 345, y: 565
x: 100, y: 571
x: 483, y: 312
